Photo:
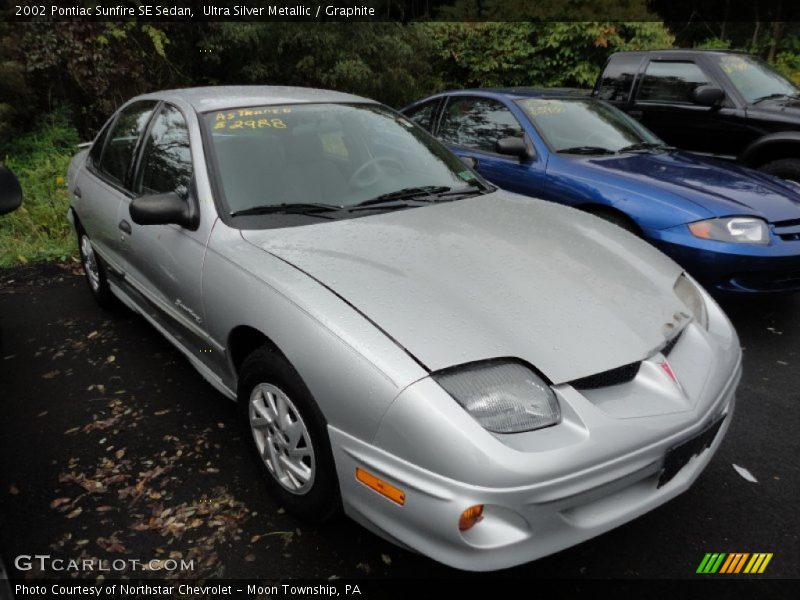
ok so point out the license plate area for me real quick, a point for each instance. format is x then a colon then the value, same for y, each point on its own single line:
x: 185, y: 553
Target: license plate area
x: 678, y: 456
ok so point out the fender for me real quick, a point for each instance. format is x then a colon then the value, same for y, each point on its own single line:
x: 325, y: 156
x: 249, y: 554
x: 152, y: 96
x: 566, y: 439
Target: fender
x: 750, y: 154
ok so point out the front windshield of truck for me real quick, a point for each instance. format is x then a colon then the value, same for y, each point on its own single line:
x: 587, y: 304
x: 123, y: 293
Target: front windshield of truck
x: 328, y: 155
x: 754, y: 78
x: 583, y: 125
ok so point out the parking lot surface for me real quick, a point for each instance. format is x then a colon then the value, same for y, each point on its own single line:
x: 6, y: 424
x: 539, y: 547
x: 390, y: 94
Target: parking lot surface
x: 114, y: 447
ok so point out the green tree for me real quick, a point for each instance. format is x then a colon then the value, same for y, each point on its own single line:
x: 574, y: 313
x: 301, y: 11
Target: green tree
x: 536, y: 53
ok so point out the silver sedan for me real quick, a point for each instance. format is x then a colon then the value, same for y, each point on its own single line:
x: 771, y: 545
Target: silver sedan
x: 482, y: 377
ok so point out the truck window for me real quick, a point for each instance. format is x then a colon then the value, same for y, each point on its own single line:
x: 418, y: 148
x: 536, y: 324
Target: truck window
x: 671, y: 81
x: 617, y: 78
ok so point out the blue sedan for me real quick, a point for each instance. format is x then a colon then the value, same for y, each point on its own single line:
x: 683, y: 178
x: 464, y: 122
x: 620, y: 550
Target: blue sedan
x: 734, y: 229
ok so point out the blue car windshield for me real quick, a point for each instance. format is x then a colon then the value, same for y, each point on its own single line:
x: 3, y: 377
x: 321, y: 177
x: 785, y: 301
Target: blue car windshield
x: 326, y: 155
x: 582, y: 124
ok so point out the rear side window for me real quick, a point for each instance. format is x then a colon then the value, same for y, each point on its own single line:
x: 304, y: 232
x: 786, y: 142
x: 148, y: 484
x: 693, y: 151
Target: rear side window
x: 477, y: 123
x: 167, y: 159
x: 666, y: 81
x: 423, y: 114
x: 617, y: 79
x: 121, y: 143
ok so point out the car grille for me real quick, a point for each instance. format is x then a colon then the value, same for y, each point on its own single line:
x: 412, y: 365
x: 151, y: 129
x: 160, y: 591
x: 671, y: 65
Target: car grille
x: 617, y: 376
x: 789, y: 231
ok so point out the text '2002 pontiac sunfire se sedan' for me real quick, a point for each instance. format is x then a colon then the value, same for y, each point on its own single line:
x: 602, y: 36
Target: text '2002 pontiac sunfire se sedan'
x: 482, y: 377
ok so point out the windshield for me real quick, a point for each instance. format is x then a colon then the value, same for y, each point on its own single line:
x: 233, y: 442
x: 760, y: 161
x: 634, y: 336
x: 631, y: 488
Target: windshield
x: 754, y: 78
x: 580, y: 123
x: 325, y: 154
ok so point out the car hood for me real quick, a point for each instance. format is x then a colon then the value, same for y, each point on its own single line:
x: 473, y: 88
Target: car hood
x: 785, y: 111
x: 722, y: 189
x: 499, y: 275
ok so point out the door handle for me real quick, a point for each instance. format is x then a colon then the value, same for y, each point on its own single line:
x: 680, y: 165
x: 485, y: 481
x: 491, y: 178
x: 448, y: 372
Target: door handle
x: 636, y: 114
x: 125, y: 226
x: 77, y: 192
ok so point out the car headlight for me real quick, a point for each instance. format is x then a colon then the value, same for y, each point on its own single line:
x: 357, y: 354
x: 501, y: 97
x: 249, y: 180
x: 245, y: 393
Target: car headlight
x: 503, y: 396
x: 687, y: 292
x: 741, y: 230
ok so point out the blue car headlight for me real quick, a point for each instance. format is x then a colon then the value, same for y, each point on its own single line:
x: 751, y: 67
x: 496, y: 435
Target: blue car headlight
x: 503, y: 396
x: 739, y: 230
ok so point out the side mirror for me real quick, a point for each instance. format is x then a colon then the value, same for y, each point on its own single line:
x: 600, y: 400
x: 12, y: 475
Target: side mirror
x: 707, y: 95
x: 163, y: 209
x: 10, y: 191
x: 512, y: 146
x: 470, y: 161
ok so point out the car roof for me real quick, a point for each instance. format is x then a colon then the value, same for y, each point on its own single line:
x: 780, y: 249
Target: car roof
x: 525, y: 92
x: 235, y: 96
x: 678, y: 51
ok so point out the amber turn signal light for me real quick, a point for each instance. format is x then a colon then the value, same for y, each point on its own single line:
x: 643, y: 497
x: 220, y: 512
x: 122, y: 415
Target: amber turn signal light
x: 470, y: 517
x: 382, y: 487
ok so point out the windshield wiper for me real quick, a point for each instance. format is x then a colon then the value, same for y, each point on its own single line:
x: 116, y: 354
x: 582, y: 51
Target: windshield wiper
x: 645, y: 146
x: 585, y: 150
x: 773, y: 97
x: 300, y: 208
x: 409, y: 193
x: 470, y: 190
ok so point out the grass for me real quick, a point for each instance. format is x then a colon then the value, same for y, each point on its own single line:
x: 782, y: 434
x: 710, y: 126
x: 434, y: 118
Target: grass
x: 39, y: 230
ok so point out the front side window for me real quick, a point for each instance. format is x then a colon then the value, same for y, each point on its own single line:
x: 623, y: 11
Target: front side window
x: 337, y: 155
x: 671, y: 82
x: 121, y: 143
x: 477, y: 123
x: 581, y: 125
x: 755, y: 79
x: 423, y: 115
x: 167, y: 159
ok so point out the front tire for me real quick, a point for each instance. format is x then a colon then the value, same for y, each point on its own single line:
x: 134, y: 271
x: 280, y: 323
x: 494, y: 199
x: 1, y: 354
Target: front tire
x: 288, y: 436
x: 787, y: 168
x: 95, y: 272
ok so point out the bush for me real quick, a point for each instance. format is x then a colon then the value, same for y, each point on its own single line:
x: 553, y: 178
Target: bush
x: 788, y: 63
x: 536, y: 54
x: 39, y: 229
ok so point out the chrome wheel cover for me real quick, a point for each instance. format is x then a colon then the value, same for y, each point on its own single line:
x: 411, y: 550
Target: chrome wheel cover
x: 90, y: 265
x: 282, y: 438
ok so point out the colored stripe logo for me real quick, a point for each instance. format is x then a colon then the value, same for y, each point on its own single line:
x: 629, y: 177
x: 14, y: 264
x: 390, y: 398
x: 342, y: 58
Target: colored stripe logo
x: 734, y: 562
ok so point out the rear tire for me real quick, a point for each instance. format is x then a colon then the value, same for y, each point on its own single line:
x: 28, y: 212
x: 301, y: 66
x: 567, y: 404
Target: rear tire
x: 95, y: 272
x: 787, y: 168
x: 288, y: 436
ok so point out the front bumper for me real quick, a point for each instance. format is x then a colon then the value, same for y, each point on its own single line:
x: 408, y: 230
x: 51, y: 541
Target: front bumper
x: 733, y: 268
x: 525, y: 522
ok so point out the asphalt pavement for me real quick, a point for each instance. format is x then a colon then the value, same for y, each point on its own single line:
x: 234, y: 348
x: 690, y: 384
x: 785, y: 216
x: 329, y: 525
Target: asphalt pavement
x: 113, y: 447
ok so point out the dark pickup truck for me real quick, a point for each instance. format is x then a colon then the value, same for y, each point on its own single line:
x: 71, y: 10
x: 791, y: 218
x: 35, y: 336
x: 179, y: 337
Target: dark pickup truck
x: 717, y: 102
